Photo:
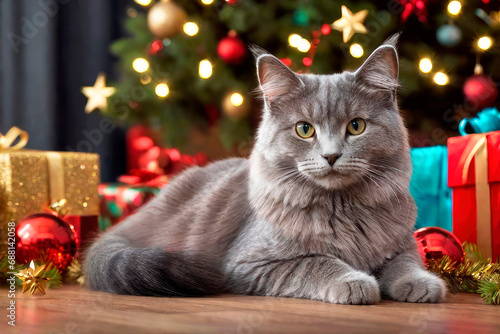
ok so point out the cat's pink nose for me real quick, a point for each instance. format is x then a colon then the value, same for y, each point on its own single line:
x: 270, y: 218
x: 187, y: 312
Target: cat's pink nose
x: 331, y: 158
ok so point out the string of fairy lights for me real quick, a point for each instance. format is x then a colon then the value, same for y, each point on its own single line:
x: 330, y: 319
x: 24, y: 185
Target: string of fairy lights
x: 205, y: 67
x: 348, y: 21
x: 482, y: 44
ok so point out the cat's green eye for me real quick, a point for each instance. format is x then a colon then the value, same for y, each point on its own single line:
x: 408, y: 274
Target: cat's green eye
x: 304, y: 130
x: 356, y: 126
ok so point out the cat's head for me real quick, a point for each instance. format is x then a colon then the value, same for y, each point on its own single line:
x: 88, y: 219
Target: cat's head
x: 333, y: 130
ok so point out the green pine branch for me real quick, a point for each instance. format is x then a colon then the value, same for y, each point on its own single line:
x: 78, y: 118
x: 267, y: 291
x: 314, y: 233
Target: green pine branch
x: 476, y: 274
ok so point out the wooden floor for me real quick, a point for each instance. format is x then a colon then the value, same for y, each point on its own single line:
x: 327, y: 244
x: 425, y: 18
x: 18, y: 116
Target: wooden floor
x: 74, y: 309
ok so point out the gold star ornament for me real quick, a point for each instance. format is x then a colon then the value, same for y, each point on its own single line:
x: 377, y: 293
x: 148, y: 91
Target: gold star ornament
x: 32, y: 279
x: 98, y: 94
x: 350, y: 23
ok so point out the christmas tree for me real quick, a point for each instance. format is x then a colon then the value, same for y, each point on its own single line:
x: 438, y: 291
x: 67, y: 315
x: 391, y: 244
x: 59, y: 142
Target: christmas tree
x: 185, y: 63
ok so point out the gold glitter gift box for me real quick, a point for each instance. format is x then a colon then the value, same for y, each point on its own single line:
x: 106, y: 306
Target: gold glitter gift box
x: 32, y: 180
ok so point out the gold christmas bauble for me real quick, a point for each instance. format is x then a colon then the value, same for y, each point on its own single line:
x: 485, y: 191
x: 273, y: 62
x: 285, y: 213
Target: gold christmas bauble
x: 235, y: 106
x: 165, y: 19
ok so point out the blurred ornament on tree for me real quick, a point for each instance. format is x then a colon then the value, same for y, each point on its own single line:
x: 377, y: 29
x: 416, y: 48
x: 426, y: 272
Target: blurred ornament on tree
x: 434, y: 243
x: 415, y: 7
x: 232, y: 2
x: 326, y: 29
x: 45, y: 236
x: 212, y: 114
x: 132, y: 12
x: 480, y: 92
x: 449, y: 35
x: 350, y: 23
x: 135, y: 105
x: 155, y: 47
x: 98, y: 94
x: 235, y: 106
x: 165, y: 19
x: 231, y: 49
x: 301, y: 17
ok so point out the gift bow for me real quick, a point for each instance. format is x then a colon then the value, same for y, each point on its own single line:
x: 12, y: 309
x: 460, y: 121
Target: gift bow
x: 477, y: 148
x: 142, y: 177
x: 10, y: 137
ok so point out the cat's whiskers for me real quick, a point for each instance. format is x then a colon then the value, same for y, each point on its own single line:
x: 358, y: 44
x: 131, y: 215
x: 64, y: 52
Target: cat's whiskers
x: 277, y: 197
x: 376, y: 171
x: 290, y: 172
x: 364, y: 161
x: 301, y: 178
x: 374, y: 180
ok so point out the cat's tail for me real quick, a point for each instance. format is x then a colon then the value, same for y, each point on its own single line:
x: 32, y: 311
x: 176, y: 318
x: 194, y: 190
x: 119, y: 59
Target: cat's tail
x: 113, y: 265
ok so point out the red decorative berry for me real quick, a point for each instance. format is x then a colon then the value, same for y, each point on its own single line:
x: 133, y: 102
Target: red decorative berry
x: 326, y: 29
x: 286, y: 61
x: 156, y: 47
x: 307, y: 61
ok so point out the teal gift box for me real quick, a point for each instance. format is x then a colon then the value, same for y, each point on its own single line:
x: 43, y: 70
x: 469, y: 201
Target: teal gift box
x: 429, y: 186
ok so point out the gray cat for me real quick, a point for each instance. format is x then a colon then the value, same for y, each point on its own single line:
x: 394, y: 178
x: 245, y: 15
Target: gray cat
x: 321, y: 209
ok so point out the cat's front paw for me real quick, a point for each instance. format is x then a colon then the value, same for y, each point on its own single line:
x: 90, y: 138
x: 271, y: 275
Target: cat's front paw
x: 418, y: 287
x: 356, y: 289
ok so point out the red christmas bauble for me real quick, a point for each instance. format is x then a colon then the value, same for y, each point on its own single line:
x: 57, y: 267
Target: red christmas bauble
x: 232, y: 50
x: 480, y: 92
x: 435, y: 242
x: 46, y: 237
x: 232, y: 2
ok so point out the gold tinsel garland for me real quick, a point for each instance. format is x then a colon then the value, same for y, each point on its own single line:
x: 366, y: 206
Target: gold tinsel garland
x: 476, y: 274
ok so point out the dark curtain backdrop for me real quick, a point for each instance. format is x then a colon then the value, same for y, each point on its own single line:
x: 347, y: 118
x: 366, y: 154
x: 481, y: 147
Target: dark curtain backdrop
x: 49, y: 50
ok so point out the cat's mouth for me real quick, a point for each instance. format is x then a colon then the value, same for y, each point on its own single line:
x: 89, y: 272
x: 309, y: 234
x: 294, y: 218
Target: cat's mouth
x: 333, y: 178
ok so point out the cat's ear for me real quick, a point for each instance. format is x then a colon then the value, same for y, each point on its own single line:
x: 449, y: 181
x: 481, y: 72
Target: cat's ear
x: 380, y: 71
x: 276, y: 80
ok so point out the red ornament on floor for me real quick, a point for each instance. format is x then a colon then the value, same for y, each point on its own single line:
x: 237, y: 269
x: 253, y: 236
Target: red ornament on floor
x: 44, y: 236
x: 434, y: 243
x: 231, y: 49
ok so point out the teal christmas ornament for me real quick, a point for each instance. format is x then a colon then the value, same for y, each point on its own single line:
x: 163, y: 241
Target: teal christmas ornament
x: 301, y: 17
x: 449, y: 35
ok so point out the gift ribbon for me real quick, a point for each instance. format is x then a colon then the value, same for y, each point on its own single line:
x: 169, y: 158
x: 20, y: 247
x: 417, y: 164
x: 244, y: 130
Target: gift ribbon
x: 10, y: 137
x: 477, y: 148
x: 56, y: 176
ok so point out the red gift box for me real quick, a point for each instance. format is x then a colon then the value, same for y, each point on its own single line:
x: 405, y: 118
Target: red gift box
x: 86, y: 228
x: 474, y: 175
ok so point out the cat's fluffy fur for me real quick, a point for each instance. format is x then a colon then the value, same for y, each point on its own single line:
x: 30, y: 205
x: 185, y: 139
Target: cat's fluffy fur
x: 284, y: 222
